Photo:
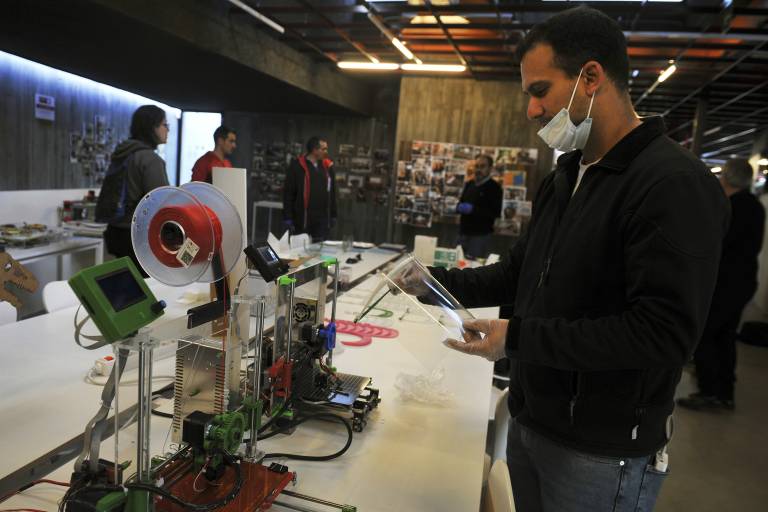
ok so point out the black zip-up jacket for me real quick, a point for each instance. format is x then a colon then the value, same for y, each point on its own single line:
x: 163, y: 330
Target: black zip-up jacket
x: 320, y: 205
x: 486, y: 207
x: 611, y: 289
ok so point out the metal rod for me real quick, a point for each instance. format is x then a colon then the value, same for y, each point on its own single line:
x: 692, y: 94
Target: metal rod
x: 253, y: 452
x: 145, y: 408
x: 118, y: 362
x: 713, y: 79
x: 368, y: 310
x: 312, y: 499
x: 329, y: 359
x: 448, y: 37
x: 357, y: 46
x: 289, y: 321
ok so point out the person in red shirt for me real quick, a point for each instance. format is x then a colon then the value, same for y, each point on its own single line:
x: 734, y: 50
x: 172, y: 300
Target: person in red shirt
x: 225, y: 140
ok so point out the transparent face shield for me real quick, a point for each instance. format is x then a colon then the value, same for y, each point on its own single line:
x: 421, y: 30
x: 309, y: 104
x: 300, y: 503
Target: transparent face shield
x: 424, y: 295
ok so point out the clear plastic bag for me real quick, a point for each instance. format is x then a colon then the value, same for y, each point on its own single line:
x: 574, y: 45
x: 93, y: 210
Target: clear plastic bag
x: 424, y: 388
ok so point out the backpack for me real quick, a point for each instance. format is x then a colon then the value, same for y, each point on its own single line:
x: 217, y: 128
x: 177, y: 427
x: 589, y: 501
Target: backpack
x: 110, y: 206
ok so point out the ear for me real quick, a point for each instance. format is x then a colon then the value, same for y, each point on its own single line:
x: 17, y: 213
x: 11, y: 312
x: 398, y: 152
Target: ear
x: 593, y: 77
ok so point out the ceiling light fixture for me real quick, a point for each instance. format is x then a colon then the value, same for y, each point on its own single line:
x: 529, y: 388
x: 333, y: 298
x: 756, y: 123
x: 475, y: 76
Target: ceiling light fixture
x: 667, y: 73
x: 762, y: 161
x: 716, y: 169
x: 395, y: 41
x: 369, y: 66
x: 448, y: 68
x: 401, y: 46
x: 256, y: 14
x: 431, y: 20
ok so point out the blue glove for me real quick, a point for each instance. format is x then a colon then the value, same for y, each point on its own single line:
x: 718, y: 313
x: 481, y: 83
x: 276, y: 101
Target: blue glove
x: 333, y: 222
x: 464, y: 208
x: 288, y: 223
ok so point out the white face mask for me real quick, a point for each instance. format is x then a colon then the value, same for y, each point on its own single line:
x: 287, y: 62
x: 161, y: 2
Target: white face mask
x: 560, y: 133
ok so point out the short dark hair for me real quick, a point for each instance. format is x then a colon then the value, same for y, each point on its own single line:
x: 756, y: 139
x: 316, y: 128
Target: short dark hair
x: 313, y: 143
x: 738, y: 173
x: 143, y: 124
x: 222, y: 132
x: 579, y: 35
x: 488, y: 159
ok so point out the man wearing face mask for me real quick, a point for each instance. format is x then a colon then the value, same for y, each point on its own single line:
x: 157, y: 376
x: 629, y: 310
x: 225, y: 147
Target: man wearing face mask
x: 611, y: 283
x: 479, y: 206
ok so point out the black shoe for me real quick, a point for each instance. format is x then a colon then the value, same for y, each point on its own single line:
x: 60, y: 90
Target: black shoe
x: 699, y: 402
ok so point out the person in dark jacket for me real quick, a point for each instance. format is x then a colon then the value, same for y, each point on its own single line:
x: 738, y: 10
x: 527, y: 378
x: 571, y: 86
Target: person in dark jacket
x: 309, y: 198
x: 715, y: 356
x: 479, y: 206
x: 611, y: 283
x: 145, y: 172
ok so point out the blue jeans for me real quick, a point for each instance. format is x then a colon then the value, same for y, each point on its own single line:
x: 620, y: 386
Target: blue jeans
x: 475, y: 245
x: 548, y: 477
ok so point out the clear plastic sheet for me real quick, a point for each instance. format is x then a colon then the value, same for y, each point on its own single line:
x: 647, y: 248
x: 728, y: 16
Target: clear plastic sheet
x: 426, y: 295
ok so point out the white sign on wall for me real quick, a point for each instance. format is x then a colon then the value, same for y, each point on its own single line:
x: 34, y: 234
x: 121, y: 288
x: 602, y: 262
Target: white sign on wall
x: 45, y: 107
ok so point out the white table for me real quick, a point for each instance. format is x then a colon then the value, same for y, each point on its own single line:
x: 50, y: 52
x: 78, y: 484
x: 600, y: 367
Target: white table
x: 69, y: 245
x: 411, y: 456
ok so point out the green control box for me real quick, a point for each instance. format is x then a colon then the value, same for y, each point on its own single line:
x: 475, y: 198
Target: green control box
x: 116, y: 297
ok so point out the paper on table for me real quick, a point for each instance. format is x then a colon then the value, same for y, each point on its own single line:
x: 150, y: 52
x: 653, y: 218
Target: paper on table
x: 282, y: 247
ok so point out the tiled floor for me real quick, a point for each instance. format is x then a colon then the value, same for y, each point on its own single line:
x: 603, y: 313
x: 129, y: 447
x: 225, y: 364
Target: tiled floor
x: 719, y: 461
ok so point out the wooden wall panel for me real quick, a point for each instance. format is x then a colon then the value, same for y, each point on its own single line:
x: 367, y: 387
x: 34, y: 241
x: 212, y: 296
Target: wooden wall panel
x: 465, y: 111
x: 34, y: 154
x: 362, y: 220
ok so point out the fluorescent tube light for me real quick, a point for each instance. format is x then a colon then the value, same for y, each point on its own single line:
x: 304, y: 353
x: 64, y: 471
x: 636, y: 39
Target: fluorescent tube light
x: 667, y: 73
x: 389, y: 35
x: 371, y: 66
x: 449, y: 68
x: 400, y: 46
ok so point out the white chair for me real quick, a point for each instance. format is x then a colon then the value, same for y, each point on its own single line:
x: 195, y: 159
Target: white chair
x: 499, y: 496
x: 58, y: 295
x: 501, y: 427
x: 498, y: 424
x: 8, y: 313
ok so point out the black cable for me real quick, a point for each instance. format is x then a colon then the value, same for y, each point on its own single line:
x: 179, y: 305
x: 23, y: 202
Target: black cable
x: 192, y: 506
x: 321, y: 458
x: 162, y: 414
x: 70, y: 495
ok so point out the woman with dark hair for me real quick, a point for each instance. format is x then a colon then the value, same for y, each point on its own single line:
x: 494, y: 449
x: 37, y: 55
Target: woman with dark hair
x: 134, y: 171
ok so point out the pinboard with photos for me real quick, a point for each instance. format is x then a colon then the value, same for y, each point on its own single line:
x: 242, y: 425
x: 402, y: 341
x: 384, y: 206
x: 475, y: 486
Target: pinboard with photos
x: 430, y: 183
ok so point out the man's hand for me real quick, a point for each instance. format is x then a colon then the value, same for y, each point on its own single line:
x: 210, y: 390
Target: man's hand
x: 491, y: 347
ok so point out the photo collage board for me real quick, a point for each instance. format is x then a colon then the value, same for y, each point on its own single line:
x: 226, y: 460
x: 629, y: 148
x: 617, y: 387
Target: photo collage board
x: 430, y: 183
x: 357, y: 169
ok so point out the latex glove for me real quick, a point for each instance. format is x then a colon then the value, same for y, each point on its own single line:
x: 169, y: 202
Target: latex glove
x: 490, y: 347
x: 465, y: 208
x: 288, y: 223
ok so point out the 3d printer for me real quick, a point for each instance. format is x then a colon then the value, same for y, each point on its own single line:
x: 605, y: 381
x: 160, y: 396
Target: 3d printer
x: 181, y: 235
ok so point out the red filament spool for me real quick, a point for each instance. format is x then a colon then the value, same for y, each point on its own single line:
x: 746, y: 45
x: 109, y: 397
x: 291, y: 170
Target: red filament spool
x: 173, y: 225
